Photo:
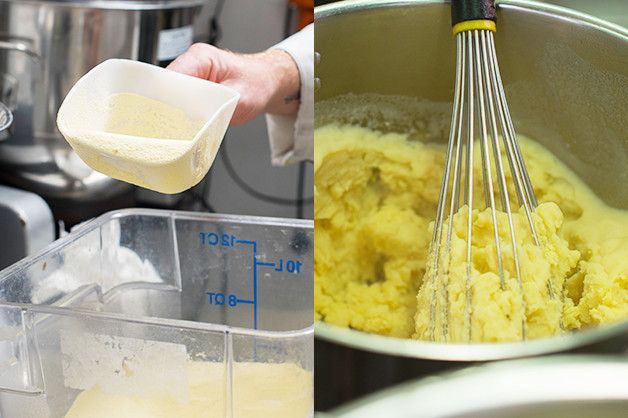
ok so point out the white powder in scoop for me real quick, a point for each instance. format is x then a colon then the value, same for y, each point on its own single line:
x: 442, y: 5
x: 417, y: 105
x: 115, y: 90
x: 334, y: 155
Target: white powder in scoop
x: 148, y: 143
x: 135, y: 115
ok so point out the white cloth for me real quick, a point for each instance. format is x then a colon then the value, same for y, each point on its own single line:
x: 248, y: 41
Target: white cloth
x: 292, y: 136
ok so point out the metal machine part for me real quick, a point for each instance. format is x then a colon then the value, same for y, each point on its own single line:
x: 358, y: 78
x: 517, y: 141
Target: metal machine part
x: 26, y: 225
x: 6, y: 119
x: 45, y: 47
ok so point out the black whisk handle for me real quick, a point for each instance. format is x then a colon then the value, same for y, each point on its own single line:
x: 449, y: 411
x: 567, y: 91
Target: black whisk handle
x: 464, y: 10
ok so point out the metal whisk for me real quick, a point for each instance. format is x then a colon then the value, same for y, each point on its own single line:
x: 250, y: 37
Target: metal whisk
x: 481, y: 119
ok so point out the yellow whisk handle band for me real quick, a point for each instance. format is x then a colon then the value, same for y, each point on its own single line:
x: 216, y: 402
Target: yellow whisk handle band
x: 468, y: 25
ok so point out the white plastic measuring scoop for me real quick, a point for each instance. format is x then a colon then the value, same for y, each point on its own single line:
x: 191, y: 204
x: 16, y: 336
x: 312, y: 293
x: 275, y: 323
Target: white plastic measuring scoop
x: 146, y: 125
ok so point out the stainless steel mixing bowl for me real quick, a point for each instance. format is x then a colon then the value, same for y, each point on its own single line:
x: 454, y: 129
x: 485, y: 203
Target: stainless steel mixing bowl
x: 566, y: 81
x: 556, y: 387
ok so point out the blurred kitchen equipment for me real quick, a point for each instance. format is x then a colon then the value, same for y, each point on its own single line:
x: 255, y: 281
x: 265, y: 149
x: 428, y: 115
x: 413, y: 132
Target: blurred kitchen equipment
x: 480, y: 119
x: 26, y: 223
x: 129, y: 300
x: 565, y: 75
x: 6, y: 119
x: 47, y: 46
x: 88, y: 118
x: 555, y: 386
x: 25, y: 219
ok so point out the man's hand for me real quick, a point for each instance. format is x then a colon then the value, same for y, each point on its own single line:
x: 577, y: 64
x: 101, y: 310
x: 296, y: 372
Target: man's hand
x: 268, y: 82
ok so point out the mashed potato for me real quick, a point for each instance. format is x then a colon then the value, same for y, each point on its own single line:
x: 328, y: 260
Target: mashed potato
x: 376, y: 196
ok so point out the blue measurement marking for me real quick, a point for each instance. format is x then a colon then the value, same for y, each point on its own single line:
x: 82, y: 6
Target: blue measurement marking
x: 245, y: 301
x: 253, y: 243
x: 254, y: 301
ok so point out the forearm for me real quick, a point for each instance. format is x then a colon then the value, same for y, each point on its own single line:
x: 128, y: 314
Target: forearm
x: 284, y: 83
x: 291, y: 135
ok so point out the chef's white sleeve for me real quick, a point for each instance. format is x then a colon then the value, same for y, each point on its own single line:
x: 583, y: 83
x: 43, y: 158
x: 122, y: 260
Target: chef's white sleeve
x: 292, y: 136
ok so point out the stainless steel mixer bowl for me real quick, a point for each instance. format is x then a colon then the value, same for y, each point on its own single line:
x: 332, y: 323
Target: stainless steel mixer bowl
x: 566, y: 81
x: 556, y: 387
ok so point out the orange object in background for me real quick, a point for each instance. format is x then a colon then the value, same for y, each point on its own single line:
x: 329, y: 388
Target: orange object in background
x: 306, y: 11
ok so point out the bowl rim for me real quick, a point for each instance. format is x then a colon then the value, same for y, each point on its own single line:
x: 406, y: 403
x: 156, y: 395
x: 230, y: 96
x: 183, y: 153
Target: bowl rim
x: 346, y: 6
x: 488, y: 388
x: 466, y: 352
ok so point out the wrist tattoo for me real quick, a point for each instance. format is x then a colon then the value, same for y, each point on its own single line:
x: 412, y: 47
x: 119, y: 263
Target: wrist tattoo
x: 292, y: 98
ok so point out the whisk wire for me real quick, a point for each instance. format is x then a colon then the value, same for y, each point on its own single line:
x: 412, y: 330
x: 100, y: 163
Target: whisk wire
x: 455, y: 136
x: 528, y: 200
x: 483, y: 86
x: 494, y: 96
x: 516, y: 162
x: 469, y: 182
